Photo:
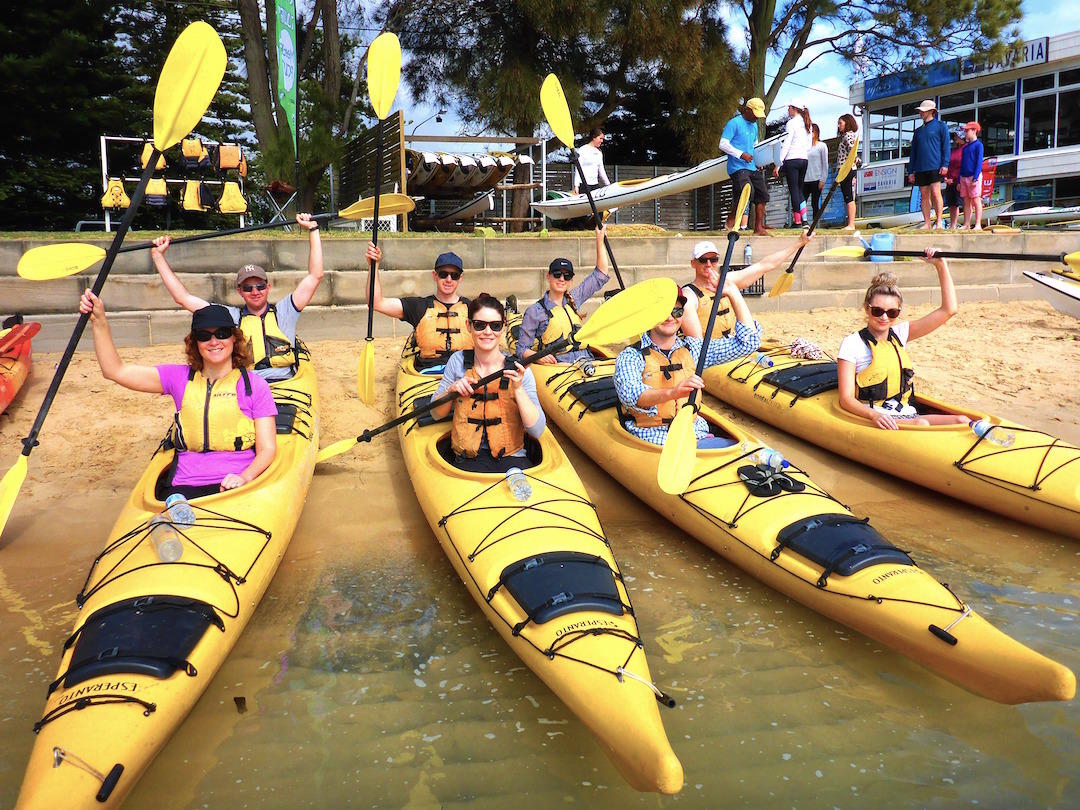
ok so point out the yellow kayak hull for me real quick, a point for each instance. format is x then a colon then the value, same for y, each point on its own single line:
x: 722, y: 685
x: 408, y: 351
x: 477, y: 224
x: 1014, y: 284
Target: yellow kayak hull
x: 1036, y: 480
x: 591, y: 659
x: 896, y: 604
x: 124, y: 716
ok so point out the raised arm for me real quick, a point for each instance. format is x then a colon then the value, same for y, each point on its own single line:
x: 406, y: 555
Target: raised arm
x: 390, y: 307
x: 928, y: 323
x: 774, y: 261
x: 135, y: 377
x: 176, y: 289
x: 310, y: 283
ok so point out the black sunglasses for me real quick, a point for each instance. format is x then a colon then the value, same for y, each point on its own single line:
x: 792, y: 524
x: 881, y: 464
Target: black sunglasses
x: 677, y: 313
x: 221, y: 333
x: 709, y: 260
x: 479, y: 325
x: 877, y: 312
x: 567, y: 274
x: 262, y: 285
x: 454, y: 274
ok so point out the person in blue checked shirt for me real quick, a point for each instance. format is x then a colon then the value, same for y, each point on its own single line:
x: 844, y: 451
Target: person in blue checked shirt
x: 654, y: 378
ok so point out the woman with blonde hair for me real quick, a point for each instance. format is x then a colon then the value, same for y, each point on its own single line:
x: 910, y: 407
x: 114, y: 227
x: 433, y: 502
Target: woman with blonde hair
x: 874, y: 373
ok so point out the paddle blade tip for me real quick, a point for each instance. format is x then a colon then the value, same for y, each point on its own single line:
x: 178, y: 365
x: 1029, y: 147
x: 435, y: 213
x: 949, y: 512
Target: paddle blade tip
x: 9, y: 489
x: 557, y: 110
x: 335, y: 449
x: 676, y: 466
x: 383, y: 72
x: 189, y: 81
x: 782, y: 285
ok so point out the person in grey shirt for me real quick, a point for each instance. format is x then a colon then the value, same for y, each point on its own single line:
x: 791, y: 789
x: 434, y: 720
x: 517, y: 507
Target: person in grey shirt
x: 555, y: 315
x: 817, y: 170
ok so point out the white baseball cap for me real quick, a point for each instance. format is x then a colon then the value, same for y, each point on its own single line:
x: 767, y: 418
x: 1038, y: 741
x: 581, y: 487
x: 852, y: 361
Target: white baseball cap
x: 927, y: 106
x: 797, y: 103
x: 701, y: 248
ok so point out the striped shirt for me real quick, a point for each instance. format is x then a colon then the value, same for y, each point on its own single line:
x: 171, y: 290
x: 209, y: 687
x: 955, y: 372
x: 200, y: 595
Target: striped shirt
x: 630, y: 366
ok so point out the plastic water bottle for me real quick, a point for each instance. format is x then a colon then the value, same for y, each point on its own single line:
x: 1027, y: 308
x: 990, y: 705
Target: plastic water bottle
x: 764, y: 360
x: 985, y: 430
x: 773, y: 459
x: 180, y: 510
x: 748, y: 255
x: 519, y: 484
x: 166, y: 542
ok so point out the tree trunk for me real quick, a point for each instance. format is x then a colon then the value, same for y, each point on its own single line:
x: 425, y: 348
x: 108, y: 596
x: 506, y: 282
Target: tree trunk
x: 259, y: 93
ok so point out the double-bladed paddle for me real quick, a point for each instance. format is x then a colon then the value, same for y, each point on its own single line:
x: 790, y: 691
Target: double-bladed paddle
x: 557, y: 112
x: 383, y: 75
x: 783, y: 284
x: 1071, y: 260
x: 188, y: 83
x: 626, y: 315
x: 675, y: 469
x: 48, y: 262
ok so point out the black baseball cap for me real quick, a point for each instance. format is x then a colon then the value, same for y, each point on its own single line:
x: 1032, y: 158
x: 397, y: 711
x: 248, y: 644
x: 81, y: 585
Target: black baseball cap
x: 561, y: 264
x: 211, y: 317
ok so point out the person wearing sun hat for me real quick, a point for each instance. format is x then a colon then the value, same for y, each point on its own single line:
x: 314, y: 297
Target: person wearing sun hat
x: 970, y: 182
x: 928, y: 163
x: 737, y: 141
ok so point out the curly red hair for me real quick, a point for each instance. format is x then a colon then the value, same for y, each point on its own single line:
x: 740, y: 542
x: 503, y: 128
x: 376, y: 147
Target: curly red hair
x: 242, y: 356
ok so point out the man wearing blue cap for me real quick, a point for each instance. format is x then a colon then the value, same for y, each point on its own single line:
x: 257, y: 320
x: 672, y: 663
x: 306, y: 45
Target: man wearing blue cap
x: 438, y: 320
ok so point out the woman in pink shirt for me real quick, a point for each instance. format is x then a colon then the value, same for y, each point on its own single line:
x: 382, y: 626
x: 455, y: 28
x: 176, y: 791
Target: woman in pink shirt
x: 224, y: 429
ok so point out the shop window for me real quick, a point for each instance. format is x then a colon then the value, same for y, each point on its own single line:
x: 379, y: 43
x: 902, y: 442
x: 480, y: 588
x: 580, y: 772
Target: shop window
x: 1067, y: 77
x: 1033, y: 84
x: 884, y: 143
x: 951, y: 100
x: 1067, y: 191
x: 959, y: 117
x: 911, y: 108
x: 882, y: 114
x: 996, y: 91
x: 907, y: 132
x: 1068, y: 127
x: 1039, y: 123
x: 998, y: 128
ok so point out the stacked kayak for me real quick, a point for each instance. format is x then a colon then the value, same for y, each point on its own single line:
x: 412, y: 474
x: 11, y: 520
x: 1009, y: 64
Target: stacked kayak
x: 543, y: 574
x: 1061, y: 289
x: 789, y: 533
x: 150, y: 635
x: 1015, y: 471
x: 15, y: 359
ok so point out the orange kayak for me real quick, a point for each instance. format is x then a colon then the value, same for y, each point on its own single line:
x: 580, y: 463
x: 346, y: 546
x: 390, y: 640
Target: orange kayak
x: 15, y: 359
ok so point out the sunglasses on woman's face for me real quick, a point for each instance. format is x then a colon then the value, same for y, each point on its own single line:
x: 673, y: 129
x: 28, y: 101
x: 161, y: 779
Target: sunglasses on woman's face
x: 877, y: 312
x: 454, y: 274
x: 677, y: 313
x: 206, y: 335
x: 480, y: 326
x: 567, y: 274
x: 252, y: 287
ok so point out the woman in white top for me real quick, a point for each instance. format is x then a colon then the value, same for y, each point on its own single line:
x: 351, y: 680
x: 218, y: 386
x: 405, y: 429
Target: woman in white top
x: 875, y: 375
x: 817, y: 169
x: 793, y: 156
x: 592, y: 162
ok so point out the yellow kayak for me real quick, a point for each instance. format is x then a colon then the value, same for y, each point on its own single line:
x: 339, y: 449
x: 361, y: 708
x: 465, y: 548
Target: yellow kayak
x: 151, y: 635
x: 544, y: 575
x: 789, y: 533
x: 1035, y: 478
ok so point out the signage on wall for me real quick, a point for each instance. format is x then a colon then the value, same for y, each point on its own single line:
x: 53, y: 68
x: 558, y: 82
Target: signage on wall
x: 881, y: 178
x: 906, y: 81
x: 989, y: 170
x: 1033, y: 52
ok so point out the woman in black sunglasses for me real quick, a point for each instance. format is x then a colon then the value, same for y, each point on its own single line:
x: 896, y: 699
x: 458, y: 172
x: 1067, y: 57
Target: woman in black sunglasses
x: 490, y: 422
x: 875, y: 375
x: 224, y: 431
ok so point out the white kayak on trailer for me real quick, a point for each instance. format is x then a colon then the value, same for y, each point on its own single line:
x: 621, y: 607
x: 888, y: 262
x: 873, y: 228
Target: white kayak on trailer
x: 1062, y: 293
x: 480, y: 204
x: 1044, y: 214
x: 991, y: 213
x: 629, y: 192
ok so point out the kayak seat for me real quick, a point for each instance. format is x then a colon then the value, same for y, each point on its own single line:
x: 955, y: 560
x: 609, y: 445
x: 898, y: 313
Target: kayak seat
x: 424, y: 419
x: 596, y: 395
x: 804, y: 380
x: 534, y: 453
x: 840, y: 544
x: 150, y: 635
x: 556, y: 583
x: 286, y: 416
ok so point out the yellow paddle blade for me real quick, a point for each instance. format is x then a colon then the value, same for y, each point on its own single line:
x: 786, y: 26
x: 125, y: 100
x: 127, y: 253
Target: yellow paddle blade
x: 9, y: 489
x: 389, y: 205
x: 189, y: 81
x: 635, y: 310
x: 365, y: 373
x: 845, y: 251
x: 58, y: 261
x: 782, y: 285
x: 335, y: 449
x: 849, y: 164
x: 744, y: 200
x: 677, y: 459
x: 556, y: 110
x: 383, y: 72
x: 1073, y: 260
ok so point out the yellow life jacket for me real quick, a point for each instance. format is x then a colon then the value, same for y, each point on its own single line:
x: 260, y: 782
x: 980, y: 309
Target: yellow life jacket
x: 147, y: 150
x: 193, y: 154
x: 230, y: 157
x: 270, y: 346
x: 441, y: 331
x: 663, y: 372
x: 725, y: 318
x: 562, y: 320
x: 890, y: 374
x: 115, y: 196
x: 210, y: 417
x: 157, y: 192
x: 232, y: 201
x: 197, y: 196
x: 491, y: 411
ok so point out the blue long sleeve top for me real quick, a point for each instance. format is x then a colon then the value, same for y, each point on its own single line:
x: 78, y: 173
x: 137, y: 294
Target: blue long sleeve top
x: 929, y: 148
x: 971, y: 162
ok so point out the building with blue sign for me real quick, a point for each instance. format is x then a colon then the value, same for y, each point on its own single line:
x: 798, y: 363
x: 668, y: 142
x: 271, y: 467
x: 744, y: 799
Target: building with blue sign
x: 1029, y: 110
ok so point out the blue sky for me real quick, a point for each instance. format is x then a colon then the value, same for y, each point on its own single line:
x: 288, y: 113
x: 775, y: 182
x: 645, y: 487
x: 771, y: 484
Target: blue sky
x: 825, y: 83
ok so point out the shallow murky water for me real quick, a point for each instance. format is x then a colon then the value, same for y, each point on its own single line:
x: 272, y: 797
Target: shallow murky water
x: 372, y: 680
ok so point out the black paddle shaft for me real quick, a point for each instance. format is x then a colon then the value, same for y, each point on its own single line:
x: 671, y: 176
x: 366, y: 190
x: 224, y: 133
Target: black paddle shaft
x: 110, y: 256
x: 596, y: 216
x: 963, y: 254
x: 732, y: 238
x: 374, y: 228
x: 215, y: 234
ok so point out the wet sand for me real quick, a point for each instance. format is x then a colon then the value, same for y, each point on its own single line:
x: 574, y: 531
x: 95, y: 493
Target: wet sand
x: 371, y: 679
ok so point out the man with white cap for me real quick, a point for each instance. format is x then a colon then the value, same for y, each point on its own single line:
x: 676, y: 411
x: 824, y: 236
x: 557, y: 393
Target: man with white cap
x: 737, y: 142
x: 700, y: 292
x: 928, y: 162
